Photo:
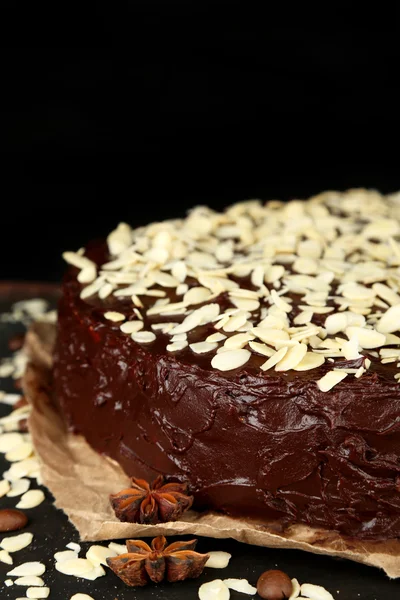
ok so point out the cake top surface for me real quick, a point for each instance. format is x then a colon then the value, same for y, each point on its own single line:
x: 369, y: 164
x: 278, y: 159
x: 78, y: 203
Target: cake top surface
x: 300, y: 283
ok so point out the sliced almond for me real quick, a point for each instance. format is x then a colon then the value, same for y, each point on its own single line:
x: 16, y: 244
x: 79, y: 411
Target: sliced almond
x: 218, y: 559
x: 131, y: 326
x: 80, y: 596
x: 31, y: 499
x: 238, y: 341
x: 247, y: 304
x: 97, y: 555
x: 118, y: 548
x: 143, y: 337
x: 65, y: 555
x: 235, y: 322
x: 19, y: 487
x: 5, y: 557
x: 76, y: 547
x: 203, y: 347
x: 35, y: 569
x: 292, y: 357
x: 270, y: 336
x: 20, y: 452
x: 231, y: 359
x: 4, y: 487
x: 240, y: 585
x: 94, y: 574
x: 350, y: 348
x: 390, y: 322
x: 112, y: 315
x: 279, y: 302
x: 38, y: 592
x: 16, y: 543
x: 315, y: 592
x: 367, y: 338
x: 274, y: 359
x: 214, y: 590
x: 295, y: 590
x: 24, y: 468
x: 9, y: 441
x: 216, y: 337
x: 335, y: 323
x: 330, y: 379
x: 75, y: 566
x: 196, y: 295
x: 310, y: 361
x: 262, y: 349
x: 29, y: 580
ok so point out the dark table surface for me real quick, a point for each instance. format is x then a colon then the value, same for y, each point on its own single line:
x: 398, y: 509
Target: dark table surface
x: 52, y: 531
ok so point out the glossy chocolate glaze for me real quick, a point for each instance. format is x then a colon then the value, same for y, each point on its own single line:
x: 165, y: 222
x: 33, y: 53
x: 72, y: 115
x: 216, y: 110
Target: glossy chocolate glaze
x: 263, y: 444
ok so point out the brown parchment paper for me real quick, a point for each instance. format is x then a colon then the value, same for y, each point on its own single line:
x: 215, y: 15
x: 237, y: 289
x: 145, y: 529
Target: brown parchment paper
x: 81, y: 480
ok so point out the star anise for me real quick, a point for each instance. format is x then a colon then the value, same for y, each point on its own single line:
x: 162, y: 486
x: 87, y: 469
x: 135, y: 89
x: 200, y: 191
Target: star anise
x: 153, y: 503
x: 143, y: 563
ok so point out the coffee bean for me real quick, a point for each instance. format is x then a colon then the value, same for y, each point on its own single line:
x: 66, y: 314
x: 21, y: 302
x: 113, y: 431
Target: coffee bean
x: 12, y: 519
x: 274, y: 585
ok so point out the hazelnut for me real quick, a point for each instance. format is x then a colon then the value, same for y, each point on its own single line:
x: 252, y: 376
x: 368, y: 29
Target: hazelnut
x: 12, y: 519
x: 274, y: 585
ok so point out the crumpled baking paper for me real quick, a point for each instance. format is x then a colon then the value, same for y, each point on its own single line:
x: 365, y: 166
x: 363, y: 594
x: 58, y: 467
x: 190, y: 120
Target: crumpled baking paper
x: 81, y: 480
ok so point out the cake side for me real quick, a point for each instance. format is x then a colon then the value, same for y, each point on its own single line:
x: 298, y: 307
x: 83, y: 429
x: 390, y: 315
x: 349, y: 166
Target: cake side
x: 267, y: 443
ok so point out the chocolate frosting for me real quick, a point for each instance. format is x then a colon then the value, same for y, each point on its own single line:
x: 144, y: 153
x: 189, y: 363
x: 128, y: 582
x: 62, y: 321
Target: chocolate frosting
x: 269, y: 445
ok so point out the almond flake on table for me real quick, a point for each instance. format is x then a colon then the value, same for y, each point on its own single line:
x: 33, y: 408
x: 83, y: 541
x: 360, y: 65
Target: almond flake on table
x: 8, y: 582
x: 28, y: 569
x: 295, y: 591
x: 94, y: 574
x: 9, y: 399
x: 97, y: 555
x: 31, y: 499
x: 24, y: 468
x: 65, y: 555
x: 75, y: 566
x: 218, y: 559
x: 19, y: 452
x: 4, y: 487
x: 330, y: 379
x: 29, y: 581
x: 38, y: 592
x: 74, y: 546
x: 240, y: 585
x: 17, y: 542
x: 18, y: 487
x: 5, y: 557
x: 118, y: 548
x: 9, y: 441
x: 80, y: 596
x: 315, y: 592
x: 214, y: 590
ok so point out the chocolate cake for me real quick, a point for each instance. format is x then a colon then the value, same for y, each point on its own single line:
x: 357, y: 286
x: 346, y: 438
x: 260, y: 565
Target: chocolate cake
x: 254, y: 353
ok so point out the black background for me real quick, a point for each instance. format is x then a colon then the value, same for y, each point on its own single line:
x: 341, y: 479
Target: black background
x: 140, y: 110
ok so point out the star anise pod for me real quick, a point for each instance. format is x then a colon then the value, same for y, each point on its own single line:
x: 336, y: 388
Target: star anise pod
x: 143, y: 563
x: 153, y: 503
